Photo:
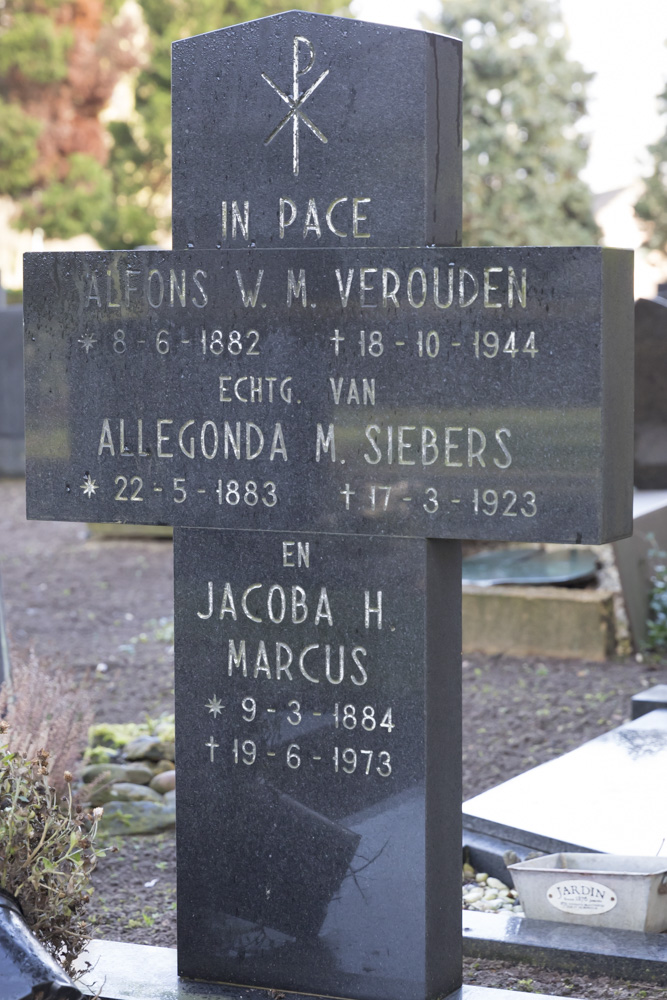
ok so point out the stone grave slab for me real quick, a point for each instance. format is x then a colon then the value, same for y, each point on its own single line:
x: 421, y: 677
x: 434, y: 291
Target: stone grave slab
x: 12, y: 425
x: 318, y: 696
x: 603, y: 797
x: 468, y: 393
x: 299, y: 129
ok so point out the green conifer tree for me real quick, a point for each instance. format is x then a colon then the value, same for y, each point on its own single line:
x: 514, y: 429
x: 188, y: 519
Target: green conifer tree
x: 523, y: 99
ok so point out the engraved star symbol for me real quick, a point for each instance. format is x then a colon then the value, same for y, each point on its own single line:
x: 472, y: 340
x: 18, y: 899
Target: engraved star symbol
x: 215, y: 706
x: 87, y: 341
x: 89, y: 485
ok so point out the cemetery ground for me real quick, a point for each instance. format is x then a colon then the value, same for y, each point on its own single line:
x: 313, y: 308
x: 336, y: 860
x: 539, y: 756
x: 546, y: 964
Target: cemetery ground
x: 100, y: 610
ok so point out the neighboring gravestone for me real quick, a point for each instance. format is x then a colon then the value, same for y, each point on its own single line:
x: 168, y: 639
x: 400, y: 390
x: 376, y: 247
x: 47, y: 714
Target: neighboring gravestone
x: 636, y: 556
x: 651, y: 394
x: 475, y: 393
x: 318, y: 726
x: 12, y: 433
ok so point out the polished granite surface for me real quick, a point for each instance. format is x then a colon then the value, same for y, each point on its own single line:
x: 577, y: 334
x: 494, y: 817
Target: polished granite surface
x: 347, y: 394
x: 651, y: 394
x: 372, y: 157
x: 318, y: 746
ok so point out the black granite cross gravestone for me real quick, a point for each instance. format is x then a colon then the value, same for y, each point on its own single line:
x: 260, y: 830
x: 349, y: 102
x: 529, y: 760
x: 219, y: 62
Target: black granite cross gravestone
x: 290, y: 372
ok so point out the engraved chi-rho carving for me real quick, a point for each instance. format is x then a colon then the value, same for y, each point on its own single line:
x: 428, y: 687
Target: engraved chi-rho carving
x: 296, y: 113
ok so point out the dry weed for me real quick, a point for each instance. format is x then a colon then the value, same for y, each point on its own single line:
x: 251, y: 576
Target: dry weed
x: 46, y: 851
x: 44, y: 708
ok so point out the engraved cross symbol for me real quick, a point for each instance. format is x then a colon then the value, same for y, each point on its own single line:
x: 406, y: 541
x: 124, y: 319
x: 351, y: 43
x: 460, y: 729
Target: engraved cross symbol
x: 212, y: 746
x: 297, y: 100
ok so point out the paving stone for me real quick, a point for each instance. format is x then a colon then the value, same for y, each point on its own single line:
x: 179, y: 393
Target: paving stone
x: 122, y: 971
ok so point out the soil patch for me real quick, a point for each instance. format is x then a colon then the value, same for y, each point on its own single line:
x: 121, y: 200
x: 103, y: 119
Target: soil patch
x: 82, y: 602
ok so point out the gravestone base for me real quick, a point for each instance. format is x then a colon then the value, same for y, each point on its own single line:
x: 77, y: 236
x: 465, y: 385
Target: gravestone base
x: 144, y: 972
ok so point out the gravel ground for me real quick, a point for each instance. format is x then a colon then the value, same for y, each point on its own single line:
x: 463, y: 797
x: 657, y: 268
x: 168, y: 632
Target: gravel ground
x: 81, y: 602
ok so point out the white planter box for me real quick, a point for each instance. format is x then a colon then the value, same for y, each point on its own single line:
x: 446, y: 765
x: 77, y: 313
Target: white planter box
x: 600, y: 890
